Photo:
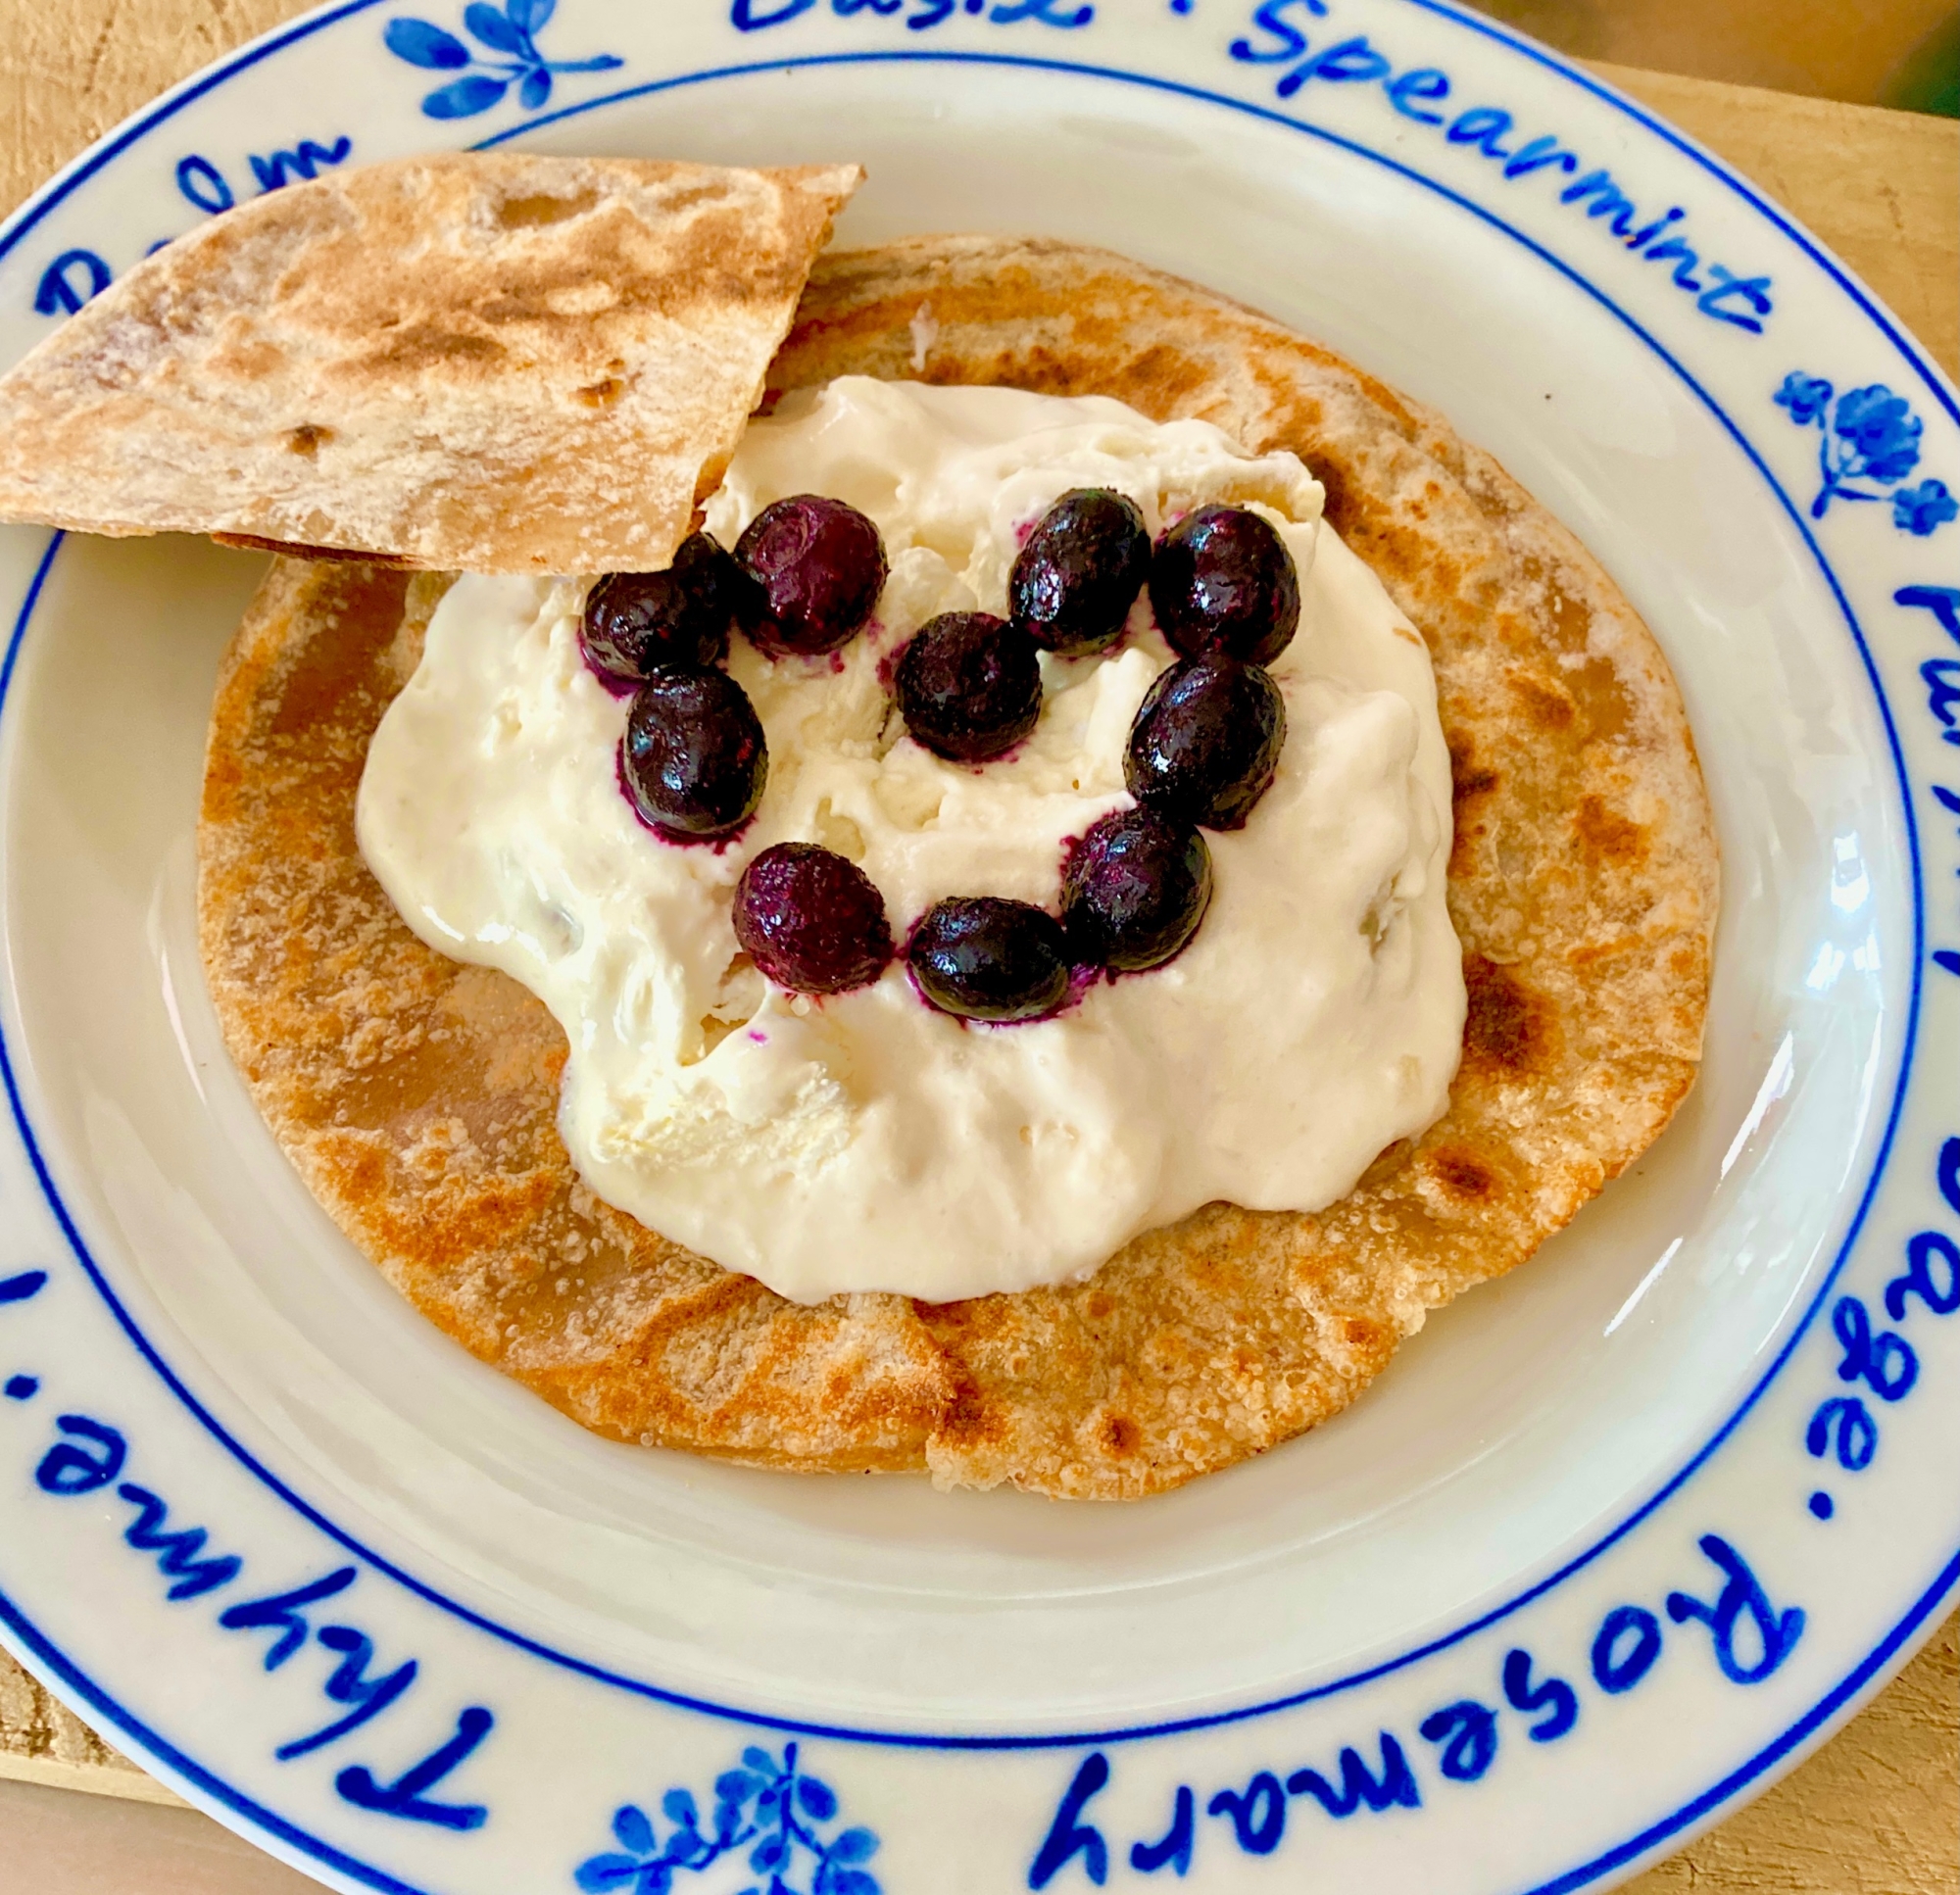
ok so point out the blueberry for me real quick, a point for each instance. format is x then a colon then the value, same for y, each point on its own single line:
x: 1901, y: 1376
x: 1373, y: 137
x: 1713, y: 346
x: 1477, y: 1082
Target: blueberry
x: 810, y: 920
x: 814, y: 568
x: 985, y: 958
x: 1134, y: 890
x: 1079, y: 572
x: 692, y: 762
x: 968, y: 686
x: 1222, y: 580
x: 1206, y: 742
x: 634, y: 622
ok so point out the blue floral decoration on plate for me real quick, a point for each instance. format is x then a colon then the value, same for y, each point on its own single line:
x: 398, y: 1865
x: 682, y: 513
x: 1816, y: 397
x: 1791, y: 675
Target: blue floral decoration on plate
x: 1869, y: 435
x: 767, y: 1807
x: 507, y: 32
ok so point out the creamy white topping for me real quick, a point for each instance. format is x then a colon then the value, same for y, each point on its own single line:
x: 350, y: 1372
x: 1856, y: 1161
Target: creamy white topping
x: 867, y: 1142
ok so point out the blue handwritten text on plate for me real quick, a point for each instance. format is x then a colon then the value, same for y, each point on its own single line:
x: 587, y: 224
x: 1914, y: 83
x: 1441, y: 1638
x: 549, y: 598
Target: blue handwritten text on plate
x: 1881, y: 1362
x: 89, y: 1454
x: 1419, y: 95
x: 77, y: 275
x: 1750, y: 1638
x: 754, y: 16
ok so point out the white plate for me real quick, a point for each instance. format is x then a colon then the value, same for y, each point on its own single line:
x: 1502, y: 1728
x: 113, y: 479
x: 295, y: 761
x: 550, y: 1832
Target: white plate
x: 1614, y: 1541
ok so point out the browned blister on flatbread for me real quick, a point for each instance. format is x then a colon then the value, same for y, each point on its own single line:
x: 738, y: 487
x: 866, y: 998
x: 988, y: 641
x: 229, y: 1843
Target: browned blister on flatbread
x: 416, y: 1095
x: 491, y: 362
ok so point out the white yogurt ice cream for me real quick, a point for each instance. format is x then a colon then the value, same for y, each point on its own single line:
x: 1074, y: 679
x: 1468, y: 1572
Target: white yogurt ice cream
x: 865, y: 1141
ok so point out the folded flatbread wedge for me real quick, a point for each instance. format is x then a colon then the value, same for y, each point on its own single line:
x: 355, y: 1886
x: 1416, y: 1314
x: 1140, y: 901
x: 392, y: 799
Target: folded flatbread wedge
x: 492, y: 363
x: 416, y: 1097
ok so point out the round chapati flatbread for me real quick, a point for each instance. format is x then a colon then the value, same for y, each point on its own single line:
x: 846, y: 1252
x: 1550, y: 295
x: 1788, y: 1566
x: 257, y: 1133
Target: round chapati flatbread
x: 417, y: 1096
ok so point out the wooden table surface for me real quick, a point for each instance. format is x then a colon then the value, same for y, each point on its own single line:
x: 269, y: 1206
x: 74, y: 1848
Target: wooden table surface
x: 1877, y: 1810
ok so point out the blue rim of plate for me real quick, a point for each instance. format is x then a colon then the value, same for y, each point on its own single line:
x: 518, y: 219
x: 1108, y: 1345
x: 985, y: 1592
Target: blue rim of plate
x: 1942, y: 1585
